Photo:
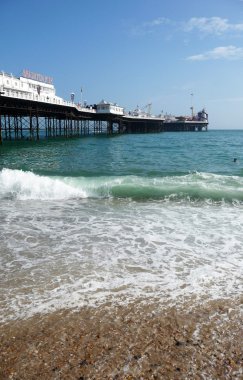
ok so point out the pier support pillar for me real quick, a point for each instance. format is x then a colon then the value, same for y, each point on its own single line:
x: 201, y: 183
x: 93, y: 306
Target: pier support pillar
x: 0, y: 129
x: 109, y: 127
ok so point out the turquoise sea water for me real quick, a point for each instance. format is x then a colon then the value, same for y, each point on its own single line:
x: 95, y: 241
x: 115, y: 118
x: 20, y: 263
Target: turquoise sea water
x: 96, y: 218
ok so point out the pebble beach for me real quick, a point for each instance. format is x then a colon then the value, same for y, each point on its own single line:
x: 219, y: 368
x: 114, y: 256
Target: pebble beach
x: 136, y: 341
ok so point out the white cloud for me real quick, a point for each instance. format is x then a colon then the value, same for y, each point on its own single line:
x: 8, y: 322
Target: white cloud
x: 204, y: 25
x: 212, y: 25
x: 157, y: 21
x: 149, y: 27
x: 222, y: 52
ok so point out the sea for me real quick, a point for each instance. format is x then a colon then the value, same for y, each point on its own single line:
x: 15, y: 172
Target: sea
x: 91, y: 220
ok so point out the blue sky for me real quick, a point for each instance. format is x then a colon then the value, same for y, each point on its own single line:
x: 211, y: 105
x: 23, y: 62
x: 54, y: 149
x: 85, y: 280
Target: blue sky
x: 133, y: 52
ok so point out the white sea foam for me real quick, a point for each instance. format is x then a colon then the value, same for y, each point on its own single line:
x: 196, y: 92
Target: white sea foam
x: 66, y: 254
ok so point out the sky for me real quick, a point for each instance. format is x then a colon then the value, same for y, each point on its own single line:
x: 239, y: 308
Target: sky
x: 172, y: 53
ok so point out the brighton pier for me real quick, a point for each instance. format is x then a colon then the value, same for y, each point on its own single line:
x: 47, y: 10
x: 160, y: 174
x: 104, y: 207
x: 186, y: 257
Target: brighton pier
x: 30, y: 109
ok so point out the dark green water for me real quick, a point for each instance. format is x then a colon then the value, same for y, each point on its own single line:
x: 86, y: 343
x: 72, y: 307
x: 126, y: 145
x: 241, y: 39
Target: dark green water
x: 143, y: 155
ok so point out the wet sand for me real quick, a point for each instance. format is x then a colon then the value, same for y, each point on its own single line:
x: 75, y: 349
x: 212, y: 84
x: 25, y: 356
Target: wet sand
x: 136, y: 341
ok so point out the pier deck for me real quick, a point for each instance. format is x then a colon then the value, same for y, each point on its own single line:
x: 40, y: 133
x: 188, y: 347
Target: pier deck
x: 32, y: 120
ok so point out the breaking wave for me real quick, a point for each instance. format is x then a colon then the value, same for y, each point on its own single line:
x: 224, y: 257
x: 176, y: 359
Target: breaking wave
x: 17, y: 184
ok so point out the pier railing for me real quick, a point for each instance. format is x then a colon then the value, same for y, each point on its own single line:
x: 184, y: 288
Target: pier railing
x: 45, y: 99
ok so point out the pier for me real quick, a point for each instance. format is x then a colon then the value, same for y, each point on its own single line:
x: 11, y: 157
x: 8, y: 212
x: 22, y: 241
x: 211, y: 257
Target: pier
x: 33, y: 120
x: 31, y: 110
